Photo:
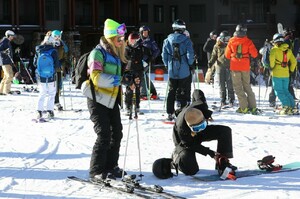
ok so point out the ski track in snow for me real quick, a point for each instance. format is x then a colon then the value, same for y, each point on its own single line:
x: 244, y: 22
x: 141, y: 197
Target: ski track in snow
x: 36, y: 158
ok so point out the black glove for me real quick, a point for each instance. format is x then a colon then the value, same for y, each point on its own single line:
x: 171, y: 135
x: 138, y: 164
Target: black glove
x: 211, y: 154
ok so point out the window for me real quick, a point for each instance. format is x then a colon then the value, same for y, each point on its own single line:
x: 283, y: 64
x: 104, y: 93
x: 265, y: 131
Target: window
x: 29, y: 15
x: 52, y: 10
x: 105, y: 10
x: 197, y: 13
x: 158, y: 14
x: 83, y: 12
x: 143, y: 13
x: 173, y: 13
x: 5, y: 12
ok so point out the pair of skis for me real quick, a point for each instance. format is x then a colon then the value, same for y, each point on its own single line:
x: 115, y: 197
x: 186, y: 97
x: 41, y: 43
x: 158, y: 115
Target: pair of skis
x: 129, y: 186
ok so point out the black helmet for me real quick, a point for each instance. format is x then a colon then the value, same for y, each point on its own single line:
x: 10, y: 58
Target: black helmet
x: 241, y: 27
x: 161, y: 168
x: 144, y: 28
x: 179, y: 25
x: 224, y: 36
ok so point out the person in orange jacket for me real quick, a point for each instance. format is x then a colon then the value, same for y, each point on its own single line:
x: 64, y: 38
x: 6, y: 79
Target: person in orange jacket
x: 238, y: 51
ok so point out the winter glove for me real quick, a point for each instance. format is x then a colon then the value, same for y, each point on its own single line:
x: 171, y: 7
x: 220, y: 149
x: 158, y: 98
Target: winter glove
x: 212, y: 154
x: 117, y: 80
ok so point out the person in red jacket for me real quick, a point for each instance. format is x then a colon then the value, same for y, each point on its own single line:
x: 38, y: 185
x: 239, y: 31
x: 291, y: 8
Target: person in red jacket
x: 238, y: 51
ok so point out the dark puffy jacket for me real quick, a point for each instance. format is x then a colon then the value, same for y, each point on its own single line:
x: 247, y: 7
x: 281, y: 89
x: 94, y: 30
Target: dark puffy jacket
x: 6, y: 51
x: 181, y: 131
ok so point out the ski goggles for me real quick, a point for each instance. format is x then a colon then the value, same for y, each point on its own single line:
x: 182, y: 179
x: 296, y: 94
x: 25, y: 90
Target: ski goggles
x: 121, y: 30
x: 198, y: 127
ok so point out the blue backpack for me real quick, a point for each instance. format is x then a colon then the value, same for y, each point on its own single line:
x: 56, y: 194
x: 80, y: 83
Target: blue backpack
x: 45, y: 64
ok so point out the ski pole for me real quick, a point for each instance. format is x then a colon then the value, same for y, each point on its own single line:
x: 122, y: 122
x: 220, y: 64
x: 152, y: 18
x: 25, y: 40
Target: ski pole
x: 166, y: 97
x: 149, y: 90
x: 137, y: 131
x: 197, y: 75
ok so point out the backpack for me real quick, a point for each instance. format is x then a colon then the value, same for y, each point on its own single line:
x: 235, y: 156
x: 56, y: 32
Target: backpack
x: 176, y: 52
x: 81, y: 69
x: 45, y: 64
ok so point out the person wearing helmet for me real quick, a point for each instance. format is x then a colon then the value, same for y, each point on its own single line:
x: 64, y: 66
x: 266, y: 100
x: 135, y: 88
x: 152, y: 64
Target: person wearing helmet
x: 222, y: 70
x: 239, y: 50
x: 178, y: 56
x: 152, y: 46
x: 282, y: 63
x: 47, y: 85
x: 134, y: 75
x: 62, y: 50
x: 6, y: 61
x: 191, y: 129
x: 208, y: 48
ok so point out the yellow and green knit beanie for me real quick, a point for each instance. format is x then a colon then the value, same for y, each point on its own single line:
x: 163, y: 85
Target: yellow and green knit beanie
x: 113, y: 28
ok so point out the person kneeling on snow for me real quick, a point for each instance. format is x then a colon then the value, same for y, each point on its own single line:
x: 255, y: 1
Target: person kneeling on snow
x: 190, y: 130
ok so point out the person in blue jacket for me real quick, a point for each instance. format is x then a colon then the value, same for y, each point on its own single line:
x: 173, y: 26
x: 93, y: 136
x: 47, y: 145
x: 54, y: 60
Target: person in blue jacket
x: 178, y: 57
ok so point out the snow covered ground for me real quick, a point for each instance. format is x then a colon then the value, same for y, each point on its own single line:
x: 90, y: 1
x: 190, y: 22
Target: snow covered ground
x: 36, y: 158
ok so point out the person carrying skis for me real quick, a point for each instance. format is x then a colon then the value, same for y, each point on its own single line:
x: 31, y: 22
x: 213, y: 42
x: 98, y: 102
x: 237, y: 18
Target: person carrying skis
x: 104, y: 63
x: 6, y: 61
x: 191, y: 129
x: 46, y: 62
x: 178, y: 56
x: 222, y: 69
x: 148, y: 58
x: 282, y: 63
x: 238, y: 51
x: 134, y: 74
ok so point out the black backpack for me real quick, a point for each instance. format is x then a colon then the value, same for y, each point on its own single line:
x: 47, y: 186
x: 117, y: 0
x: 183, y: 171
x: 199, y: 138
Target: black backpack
x: 81, y: 68
x: 176, y: 52
x: 81, y: 74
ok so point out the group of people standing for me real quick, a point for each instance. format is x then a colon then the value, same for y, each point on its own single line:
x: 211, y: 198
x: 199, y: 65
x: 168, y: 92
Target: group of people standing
x: 114, y: 62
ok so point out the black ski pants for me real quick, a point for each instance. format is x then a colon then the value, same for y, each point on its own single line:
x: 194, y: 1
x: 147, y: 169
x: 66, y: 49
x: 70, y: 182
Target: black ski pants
x: 108, y: 127
x: 179, y: 90
x: 185, y: 158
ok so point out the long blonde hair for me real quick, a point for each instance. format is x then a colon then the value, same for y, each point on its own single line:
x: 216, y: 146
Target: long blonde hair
x: 120, y: 52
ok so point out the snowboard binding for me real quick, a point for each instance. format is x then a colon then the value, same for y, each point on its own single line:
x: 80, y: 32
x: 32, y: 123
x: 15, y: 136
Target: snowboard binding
x: 225, y: 169
x: 267, y: 164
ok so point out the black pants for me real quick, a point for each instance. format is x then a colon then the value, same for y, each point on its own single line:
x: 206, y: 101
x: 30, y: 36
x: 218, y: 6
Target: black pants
x: 186, y: 158
x: 108, y: 127
x: 58, y: 86
x: 179, y: 90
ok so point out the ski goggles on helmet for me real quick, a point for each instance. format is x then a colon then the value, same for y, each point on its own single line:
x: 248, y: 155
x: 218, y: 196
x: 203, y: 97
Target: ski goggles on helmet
x: 198, y: 127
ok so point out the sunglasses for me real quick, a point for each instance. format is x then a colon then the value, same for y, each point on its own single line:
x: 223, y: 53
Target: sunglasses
x: 199, y: 127
x: 119, y: 39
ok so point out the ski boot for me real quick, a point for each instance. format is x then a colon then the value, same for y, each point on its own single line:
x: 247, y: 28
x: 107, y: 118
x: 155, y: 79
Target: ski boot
x: 50, y: 114
x: 266, y: 164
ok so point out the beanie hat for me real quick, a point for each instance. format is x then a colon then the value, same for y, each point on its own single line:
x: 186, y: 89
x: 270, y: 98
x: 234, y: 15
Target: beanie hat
x: 113, y: 28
